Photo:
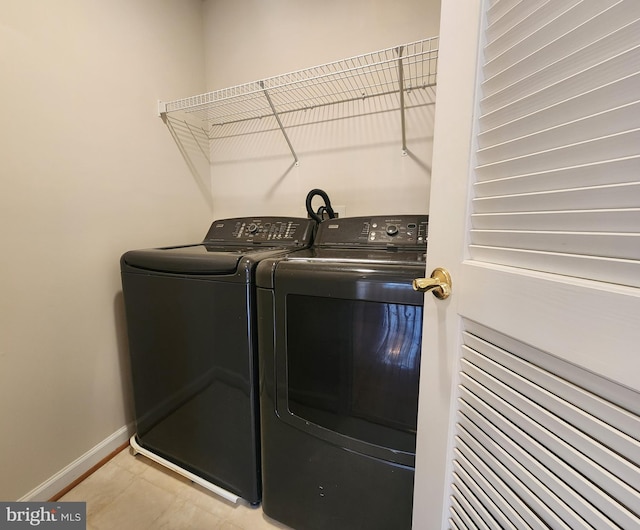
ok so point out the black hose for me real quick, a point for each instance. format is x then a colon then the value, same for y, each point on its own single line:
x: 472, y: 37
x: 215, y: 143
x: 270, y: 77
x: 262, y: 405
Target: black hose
x: 317, y: 216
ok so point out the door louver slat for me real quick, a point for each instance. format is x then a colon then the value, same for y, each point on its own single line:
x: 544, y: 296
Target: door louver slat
x: 571, y: 110
x: 609, y: 122
x: 613, y: 270
x: 568, y: 461
x: 620, y: 220
x: 482, y: 503
x: 624, y: 421
x: 539, y: 498
x: 523, y: 19
x: 533, y: 73
x: 558, y: 140
x: 606, y: 172
x: 461, y: 504
x: 625, y: 246
x: 508, y: 506
x: 540, y: 450
x: 584, y: 21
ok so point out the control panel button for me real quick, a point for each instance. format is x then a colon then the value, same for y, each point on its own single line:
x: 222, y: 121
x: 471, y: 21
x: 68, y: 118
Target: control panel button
x: 392, y: 230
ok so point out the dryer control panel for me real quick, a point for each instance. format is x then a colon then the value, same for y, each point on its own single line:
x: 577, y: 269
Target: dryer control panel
x: 380, y: 231
x: 280, y: 231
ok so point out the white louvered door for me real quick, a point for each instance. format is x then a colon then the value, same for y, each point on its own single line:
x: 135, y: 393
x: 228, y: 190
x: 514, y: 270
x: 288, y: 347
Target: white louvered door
x: 530, y: 386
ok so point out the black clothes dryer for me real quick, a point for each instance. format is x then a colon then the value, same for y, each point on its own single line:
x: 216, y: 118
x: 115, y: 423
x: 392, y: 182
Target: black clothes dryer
x: 190, y: 313
x: 340, y: 331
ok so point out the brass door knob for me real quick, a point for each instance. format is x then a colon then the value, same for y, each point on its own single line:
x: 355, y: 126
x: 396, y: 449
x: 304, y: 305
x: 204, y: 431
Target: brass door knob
x: 439, y: 283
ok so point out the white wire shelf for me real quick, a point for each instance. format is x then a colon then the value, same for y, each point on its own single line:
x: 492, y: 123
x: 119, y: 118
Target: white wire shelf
x: 393, y: 70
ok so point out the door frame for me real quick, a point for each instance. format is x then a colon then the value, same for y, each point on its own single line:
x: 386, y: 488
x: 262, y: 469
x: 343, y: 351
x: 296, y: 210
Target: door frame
x: 453, y: 142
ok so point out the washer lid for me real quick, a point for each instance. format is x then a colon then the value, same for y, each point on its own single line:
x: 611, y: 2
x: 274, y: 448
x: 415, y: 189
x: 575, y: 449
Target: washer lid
x: 193, y: 259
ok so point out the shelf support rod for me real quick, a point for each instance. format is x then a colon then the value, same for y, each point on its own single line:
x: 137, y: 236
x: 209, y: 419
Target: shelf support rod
x: 197, y: 142
x: 275, y: 115
x: 401, y: 87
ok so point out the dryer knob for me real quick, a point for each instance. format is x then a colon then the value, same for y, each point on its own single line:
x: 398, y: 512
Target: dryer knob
x: 392, y: 230
x: 252, y: 228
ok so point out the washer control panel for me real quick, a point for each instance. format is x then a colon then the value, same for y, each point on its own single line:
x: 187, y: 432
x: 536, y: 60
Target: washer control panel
x: 379, y: 231
x: 269, y: 230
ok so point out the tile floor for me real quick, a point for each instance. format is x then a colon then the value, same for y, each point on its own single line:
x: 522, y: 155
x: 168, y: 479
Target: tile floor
x: 134, y: 493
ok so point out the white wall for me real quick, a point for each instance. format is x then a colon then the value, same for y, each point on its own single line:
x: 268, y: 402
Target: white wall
x: 358, y: 162
x: 87, y: 171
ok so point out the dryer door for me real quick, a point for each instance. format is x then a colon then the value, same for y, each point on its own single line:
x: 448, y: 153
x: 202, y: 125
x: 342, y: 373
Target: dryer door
x: 347, y: 357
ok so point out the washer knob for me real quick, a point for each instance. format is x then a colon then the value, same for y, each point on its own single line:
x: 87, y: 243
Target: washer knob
x: 392, y: 230
x: 252, y: 228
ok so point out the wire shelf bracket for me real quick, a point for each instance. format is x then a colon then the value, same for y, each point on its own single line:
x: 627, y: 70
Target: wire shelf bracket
x: 401, y: 92
x: 396, y: 70
x: 275, y: 115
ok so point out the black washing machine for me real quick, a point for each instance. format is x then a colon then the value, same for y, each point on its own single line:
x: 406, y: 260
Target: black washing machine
x: 191, y: 322
x: 340, y: 331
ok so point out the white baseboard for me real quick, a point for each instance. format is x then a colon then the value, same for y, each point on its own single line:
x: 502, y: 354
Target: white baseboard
x: 78, y: 467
